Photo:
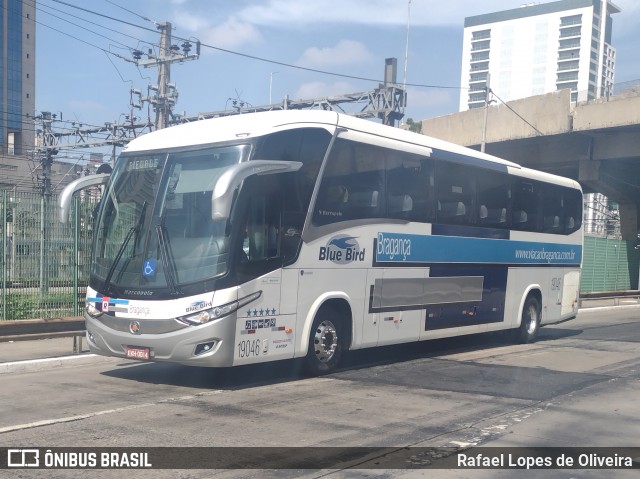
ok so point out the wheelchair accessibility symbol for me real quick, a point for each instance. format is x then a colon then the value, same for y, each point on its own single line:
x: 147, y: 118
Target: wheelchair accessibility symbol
x: 149, y: 268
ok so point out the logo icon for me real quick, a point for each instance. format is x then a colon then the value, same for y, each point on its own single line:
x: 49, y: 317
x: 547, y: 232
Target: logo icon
x: 134, y: 327
x: 23, y: 458
x: 342, y: 249
x: 149, y: 268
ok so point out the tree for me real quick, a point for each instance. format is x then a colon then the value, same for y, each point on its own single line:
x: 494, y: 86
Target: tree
x: 415, y: 126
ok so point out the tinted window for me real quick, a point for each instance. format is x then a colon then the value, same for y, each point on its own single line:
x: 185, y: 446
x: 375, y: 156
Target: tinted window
x: 493, y: 198
x: 364, y: 181
x: 526, y: 206
x: 307, y: 145
x: 455, y: 192
x: 410, y: 187
x: 572, y: 210
x: 352, y: 185
x: 552, y: 209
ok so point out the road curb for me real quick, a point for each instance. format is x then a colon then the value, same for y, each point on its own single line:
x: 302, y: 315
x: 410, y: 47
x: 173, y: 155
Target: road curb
x: 34, y: 365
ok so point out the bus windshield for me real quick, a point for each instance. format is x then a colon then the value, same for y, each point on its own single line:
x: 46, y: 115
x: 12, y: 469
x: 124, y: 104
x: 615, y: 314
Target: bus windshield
x: 155, y: 228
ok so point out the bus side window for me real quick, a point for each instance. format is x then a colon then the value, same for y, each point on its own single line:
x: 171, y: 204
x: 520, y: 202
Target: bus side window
x: 307, y: 145
x: 365, y: 195
x: 572, y: 210
x: 526, y: 206
x: 455, y: 194
x: 409, y: 187
x: 552, y: 209
x: 493, y: 194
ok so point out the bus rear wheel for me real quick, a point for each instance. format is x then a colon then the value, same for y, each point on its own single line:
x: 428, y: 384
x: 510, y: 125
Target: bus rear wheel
x: 530, y: 322
x: 326, y: 342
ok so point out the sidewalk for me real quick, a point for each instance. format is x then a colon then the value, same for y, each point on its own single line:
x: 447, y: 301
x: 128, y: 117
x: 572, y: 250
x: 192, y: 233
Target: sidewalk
x: 40, y: 349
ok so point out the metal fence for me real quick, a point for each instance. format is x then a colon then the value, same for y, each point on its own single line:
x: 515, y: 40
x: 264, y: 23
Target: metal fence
x: 609, y: 265
x: 45, y: 263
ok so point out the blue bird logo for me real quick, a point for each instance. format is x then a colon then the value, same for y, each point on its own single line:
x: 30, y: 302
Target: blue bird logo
x: 343, y: 243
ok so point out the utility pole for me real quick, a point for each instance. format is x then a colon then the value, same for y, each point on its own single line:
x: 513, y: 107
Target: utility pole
x: 406, y: 48
x: 46, y: 152
x: 166, y: 94
x: 394, y: 99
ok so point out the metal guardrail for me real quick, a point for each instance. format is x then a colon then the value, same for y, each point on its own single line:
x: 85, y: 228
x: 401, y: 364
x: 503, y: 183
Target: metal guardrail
x: 616, y: 296
x: 32, y: 329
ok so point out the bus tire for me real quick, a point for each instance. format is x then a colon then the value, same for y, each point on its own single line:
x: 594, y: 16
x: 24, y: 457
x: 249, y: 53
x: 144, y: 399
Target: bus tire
x: 326, y: 342
x: 530, y: 322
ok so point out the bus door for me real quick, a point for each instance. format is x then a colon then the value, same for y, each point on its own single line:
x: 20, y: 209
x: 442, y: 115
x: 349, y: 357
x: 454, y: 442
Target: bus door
x: 401, y: 312
x: 260, y: 328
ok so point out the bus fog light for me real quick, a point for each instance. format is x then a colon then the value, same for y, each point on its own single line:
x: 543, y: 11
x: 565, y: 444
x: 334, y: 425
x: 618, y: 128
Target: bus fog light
x: 204, y: 348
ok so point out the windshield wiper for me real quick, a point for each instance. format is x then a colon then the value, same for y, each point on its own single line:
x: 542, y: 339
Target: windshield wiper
x: 167, y: 257
x: 135, y: 229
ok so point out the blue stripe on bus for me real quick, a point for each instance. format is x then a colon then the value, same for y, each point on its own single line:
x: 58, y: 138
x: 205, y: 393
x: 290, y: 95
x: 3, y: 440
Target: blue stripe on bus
x: 426, y: 249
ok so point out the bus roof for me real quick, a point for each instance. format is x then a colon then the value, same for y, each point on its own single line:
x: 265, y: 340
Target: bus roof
x: 249, y: 125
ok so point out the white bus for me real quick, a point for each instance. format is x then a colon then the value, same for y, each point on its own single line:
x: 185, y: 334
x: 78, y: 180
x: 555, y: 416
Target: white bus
x: 304, y: 234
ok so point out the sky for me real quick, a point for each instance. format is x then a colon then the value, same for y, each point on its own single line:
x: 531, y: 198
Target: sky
x: 84, y: 70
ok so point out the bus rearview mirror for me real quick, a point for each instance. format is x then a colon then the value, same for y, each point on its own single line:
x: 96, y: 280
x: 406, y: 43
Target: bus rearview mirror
x: 223, y: 191
x: 64, y: 201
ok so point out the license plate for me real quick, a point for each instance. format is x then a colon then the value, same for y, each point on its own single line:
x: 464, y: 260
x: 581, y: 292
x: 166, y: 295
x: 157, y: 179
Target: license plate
x: 136, y: 353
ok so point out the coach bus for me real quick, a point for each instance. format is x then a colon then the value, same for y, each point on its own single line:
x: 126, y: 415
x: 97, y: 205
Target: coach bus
x: 305, y: 234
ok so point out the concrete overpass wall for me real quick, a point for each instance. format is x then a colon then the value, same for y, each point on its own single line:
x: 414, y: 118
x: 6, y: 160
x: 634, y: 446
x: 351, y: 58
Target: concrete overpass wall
x: 616, y: 111
x: 550, y: 114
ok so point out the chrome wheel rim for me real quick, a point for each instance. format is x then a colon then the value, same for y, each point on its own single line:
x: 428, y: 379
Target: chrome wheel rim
x: 325, y: 341
x: 532, y: 319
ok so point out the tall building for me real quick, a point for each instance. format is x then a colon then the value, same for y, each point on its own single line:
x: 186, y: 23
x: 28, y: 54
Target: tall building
x: 17, y: 90
x: 537, y: 49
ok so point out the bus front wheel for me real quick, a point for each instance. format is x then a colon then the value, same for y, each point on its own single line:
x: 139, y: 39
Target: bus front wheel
x: 326, y: 342
x: 530, y: 323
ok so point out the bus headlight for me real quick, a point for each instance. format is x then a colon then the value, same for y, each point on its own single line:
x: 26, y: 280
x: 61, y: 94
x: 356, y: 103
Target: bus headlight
x: 92, y: 310
x: 217, y: 312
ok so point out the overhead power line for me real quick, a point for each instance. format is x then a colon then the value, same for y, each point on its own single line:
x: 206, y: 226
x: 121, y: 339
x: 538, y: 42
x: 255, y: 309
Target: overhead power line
x: 132, y: 12
x: 516, y: 113
x: 109, y: 17
x: 255, y: 57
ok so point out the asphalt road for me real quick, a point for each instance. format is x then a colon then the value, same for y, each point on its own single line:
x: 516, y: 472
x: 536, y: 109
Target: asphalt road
x: 577, y: 386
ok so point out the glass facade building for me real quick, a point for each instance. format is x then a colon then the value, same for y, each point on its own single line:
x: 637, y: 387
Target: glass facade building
x: 17, y: 76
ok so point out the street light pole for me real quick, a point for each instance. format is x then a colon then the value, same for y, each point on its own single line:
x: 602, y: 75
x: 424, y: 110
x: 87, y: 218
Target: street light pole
x: 486, y: 112
x: 271, y: 84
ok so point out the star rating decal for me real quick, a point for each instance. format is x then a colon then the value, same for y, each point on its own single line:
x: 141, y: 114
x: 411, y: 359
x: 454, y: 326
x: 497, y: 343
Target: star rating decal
x: 261, y: 312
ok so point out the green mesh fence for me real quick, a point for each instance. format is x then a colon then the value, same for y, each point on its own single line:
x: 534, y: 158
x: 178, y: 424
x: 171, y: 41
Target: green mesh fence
x: 45, y: 263
x: 609, y: 265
